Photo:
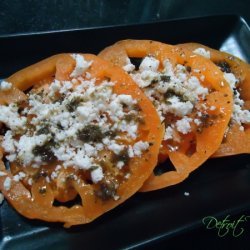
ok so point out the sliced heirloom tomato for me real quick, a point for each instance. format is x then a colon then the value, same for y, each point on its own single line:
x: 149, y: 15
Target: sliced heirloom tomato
x: 187, y: 150
x: 237, y: 137
x: 40, y: 191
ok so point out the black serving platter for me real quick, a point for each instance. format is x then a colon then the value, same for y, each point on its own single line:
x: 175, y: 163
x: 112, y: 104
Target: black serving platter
x: 164, y: 219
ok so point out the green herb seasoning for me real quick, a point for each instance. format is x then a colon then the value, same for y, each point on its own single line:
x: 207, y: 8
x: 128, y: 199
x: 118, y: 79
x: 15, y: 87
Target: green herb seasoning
x: 165, y: 78
x: 188, y: 68
x: 44, y: 130
x: 112, y: 134
x: 172, y: 92
x: 43, y: 190
x: 45, y: 151
x: 224, y: 66
x: 90, y: 133
x: 106, y: 191
x: 122, y: 156
x: 73, y: 104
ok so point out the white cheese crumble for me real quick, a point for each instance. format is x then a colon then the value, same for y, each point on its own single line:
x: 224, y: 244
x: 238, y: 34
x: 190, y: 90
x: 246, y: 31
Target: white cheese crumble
x: 168, y: 133
x: 120, y: 164
x: 30, y: 181
x: 9, y: 116
x: 139, y: 147
x: 177, y: 107
x: 82, y: 161
x: 4, y: 86
x: 239, y: 115
x: 19, y: 176
x: 116, y: 148
x: 231, y: 79
x: 149, y: 63
x: 129, y: 67
x: 81, y: 65
x: 183, y: 125
x: 7, y: 183
x: 202, y: 52
x: 97, y: 174
x: 8, y: 142
x: 25, y: 146
x: 197, y: 121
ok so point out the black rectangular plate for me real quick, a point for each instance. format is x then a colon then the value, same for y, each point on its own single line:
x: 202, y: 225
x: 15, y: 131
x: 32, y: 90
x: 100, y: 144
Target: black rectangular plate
x: 157, y: 220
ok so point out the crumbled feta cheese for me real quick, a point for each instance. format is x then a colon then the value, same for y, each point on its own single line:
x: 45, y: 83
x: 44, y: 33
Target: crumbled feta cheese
x: 197, y: 122
x: 139, y: 147
x: 174, y: 80
x: 11, y: 157
x: 196, y: 70
x: 168, y: 133
x: 126, y: 99
x: 54, y: 175
x: 90, y: 150
x: 7, y: 183
x: 8, y: 142
x: 120, y: 164
x: 127, y: 175
x: 85, y: 111
x: 129, y: 67
x: 116, y: 197
x: 186, y: 193
x: 82, y: 161
x: 148, y: 76
x: 97, y: 174
x: 147, y: 72
x: 25, y: 147
x: 67, y: 85
x: 58, y: 167
x: 130, y: 151
x: 177, y: 107
x: 54, y: 87
x: 149, y: 63
x: 183, y: 125
x: 239, y: 115
x: 19, y: 176
x: 47, y: 179
x: 30, y: 181
x: 116, y: 148
x: 139, y: 81
x: 9, y: 116
x: 202, y: 52
x: 81, y: 65
x: 4, y: 86
x: 231, y: 79
x: 202, y: 78
x: 194, y: 86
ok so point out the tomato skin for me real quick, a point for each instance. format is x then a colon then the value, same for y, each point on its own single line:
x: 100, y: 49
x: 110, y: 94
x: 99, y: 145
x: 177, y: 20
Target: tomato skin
x: 35, y: 204
x: 221, y: 97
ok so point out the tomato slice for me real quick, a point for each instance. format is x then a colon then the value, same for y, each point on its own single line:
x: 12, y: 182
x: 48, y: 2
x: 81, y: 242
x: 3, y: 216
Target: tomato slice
x: 237, y: 137
x: 196, y: 146
x: 37, y: 199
